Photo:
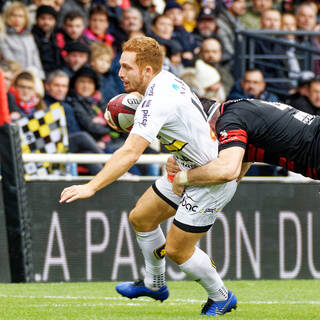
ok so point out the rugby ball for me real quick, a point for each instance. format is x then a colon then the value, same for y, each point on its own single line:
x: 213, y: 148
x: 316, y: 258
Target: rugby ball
x: 121, y: 109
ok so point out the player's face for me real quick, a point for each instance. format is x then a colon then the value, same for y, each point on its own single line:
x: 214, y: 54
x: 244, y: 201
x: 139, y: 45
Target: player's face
x: 58, y: 88
x: 99, y: 23
x: 85, y: 86
x: 46, y: 22
x: 130, y: 74
x: 314, y: 94
x: 74, y: 28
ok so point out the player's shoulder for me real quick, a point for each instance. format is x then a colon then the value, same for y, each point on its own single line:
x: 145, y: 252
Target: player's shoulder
x: 164, y: 85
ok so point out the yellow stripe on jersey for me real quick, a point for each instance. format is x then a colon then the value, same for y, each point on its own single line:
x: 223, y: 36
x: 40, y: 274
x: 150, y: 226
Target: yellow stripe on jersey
x: 175, y: 145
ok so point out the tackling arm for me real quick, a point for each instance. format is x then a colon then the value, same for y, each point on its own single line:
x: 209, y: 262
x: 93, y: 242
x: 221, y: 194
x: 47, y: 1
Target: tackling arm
x: 226, y: 167
x: 120, y: 162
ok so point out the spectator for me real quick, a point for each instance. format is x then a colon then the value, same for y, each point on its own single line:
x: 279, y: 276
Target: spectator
x: 98, y: 25
x: 205, y: 81
x: 252, y: 86
x: 82, y: 6
x: 146, y: 8
x: 306, y: 16
x: 33, y: 7
x: 272, y: 68
x: 174, y: 11
x: 114, y: 12
x: 18, y: 43
x: 101, y: 61
x: 8, y: 75
x: 162, y: 31
x: 88, y: 109
x: 58, y: 5
x: 77, y: 56
x: 131, y: 21
x: 45, y: 37
x: 229, y: 21
x: 26, y: 100
x: 211, y: 53
x: 190, y: 13
x: 251, y: 19
x: 310, y: 102
x: 71, y: 31
x: 293, y: 64
x: 302, y: 89
x: 57, y: 86
x: 206, y: 27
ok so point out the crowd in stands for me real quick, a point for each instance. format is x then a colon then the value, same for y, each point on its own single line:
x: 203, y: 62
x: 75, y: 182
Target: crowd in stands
x: 68, y: 51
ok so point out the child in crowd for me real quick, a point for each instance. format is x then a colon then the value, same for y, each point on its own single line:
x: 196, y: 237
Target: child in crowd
x: 26, y: 99
x: 101, y: 59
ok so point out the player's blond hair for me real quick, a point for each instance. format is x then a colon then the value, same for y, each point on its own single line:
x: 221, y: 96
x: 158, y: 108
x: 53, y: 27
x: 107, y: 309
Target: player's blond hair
x: 148, y: 52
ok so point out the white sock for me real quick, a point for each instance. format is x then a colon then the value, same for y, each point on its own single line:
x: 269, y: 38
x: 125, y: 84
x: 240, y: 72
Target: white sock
x: 152, y: 246
x: 202, y: 269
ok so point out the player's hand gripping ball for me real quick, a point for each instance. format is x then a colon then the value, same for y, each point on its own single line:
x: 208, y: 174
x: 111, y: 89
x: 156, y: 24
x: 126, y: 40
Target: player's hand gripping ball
x: 121, y: 109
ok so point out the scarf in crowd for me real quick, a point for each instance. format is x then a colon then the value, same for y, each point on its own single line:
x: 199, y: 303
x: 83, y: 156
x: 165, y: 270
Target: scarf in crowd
x: 27, y: 107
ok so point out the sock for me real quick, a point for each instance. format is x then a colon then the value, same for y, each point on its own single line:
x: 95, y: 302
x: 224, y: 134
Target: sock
x: 202, y: 269
x: 152, y: 246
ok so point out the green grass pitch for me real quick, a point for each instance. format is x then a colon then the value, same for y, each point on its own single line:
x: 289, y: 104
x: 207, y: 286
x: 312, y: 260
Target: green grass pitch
x: 286, y: 299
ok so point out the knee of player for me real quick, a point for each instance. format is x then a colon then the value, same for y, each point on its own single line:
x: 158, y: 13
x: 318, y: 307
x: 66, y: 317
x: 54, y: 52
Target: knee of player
x: 138, y: 221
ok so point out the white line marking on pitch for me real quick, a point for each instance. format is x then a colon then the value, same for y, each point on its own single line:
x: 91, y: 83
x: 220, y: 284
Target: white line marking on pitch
x: 139, y: 302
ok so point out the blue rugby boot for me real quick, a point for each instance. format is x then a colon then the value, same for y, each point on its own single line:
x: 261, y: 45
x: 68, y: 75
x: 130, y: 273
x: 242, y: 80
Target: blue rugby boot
x: 138, y: 289
x: 212, y: 308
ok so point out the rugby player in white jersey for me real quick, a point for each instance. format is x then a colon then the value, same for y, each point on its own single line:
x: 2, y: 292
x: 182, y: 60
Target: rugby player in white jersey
x: 173, y: 114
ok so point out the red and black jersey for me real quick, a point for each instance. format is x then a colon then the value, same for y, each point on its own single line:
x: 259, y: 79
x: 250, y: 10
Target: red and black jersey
x: 273, y: 133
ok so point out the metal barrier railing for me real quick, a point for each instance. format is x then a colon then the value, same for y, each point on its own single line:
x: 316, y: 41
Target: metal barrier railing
x: 246, y: 58
x: 144, y: 159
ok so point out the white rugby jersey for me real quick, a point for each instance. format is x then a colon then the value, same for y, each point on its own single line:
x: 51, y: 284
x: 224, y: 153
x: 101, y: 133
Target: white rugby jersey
x: 173, y: 114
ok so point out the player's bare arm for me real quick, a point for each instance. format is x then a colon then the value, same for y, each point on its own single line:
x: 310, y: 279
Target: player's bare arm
x: 244, y: 169
x: 120, y: 162
x: 226, y: 167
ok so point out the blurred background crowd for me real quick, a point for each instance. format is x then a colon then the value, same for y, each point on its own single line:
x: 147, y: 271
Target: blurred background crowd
x: 68, y: 51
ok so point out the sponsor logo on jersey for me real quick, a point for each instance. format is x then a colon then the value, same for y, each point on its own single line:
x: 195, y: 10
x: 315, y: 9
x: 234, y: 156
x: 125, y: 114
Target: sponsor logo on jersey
x: 150, y: 93
x: 175, y: 86
x: 145, y: 112
x: 188, y: 203
x: 210, y: 210
x: 223, y: 134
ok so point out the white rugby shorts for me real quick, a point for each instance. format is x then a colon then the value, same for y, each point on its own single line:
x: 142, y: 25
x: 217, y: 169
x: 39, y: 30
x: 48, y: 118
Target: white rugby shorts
x: 198, y: 207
